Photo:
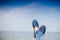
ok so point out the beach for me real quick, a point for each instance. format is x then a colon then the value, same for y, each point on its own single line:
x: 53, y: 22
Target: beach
x: 13, y: 35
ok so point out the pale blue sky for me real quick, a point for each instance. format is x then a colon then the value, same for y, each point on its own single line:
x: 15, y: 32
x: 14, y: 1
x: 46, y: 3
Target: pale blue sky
x: 20, y: 18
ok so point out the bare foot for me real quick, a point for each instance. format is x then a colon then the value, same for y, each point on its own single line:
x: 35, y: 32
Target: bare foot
x: 36, y: 28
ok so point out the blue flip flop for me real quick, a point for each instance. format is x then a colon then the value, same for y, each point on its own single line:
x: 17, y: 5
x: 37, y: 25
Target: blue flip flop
x: 35, y: 23
x: 42, y: 29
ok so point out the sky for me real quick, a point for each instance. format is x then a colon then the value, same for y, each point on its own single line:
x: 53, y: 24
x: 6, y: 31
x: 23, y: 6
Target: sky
x: 18, y: 15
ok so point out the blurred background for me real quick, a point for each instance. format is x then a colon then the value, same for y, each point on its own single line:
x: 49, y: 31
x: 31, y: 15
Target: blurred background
x: 16, y: 18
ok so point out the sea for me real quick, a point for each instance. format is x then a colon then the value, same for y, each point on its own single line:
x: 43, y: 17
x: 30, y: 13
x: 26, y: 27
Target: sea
x: 18, y: 35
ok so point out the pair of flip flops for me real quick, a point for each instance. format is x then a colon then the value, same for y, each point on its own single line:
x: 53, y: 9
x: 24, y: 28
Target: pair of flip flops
x: 36, y: 24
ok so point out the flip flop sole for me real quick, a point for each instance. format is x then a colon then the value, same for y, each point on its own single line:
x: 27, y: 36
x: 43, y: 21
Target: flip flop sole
x: 42, y: 29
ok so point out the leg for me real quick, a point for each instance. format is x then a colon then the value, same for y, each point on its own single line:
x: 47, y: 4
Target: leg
x: 39, y: 34
x: 35, y: 24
